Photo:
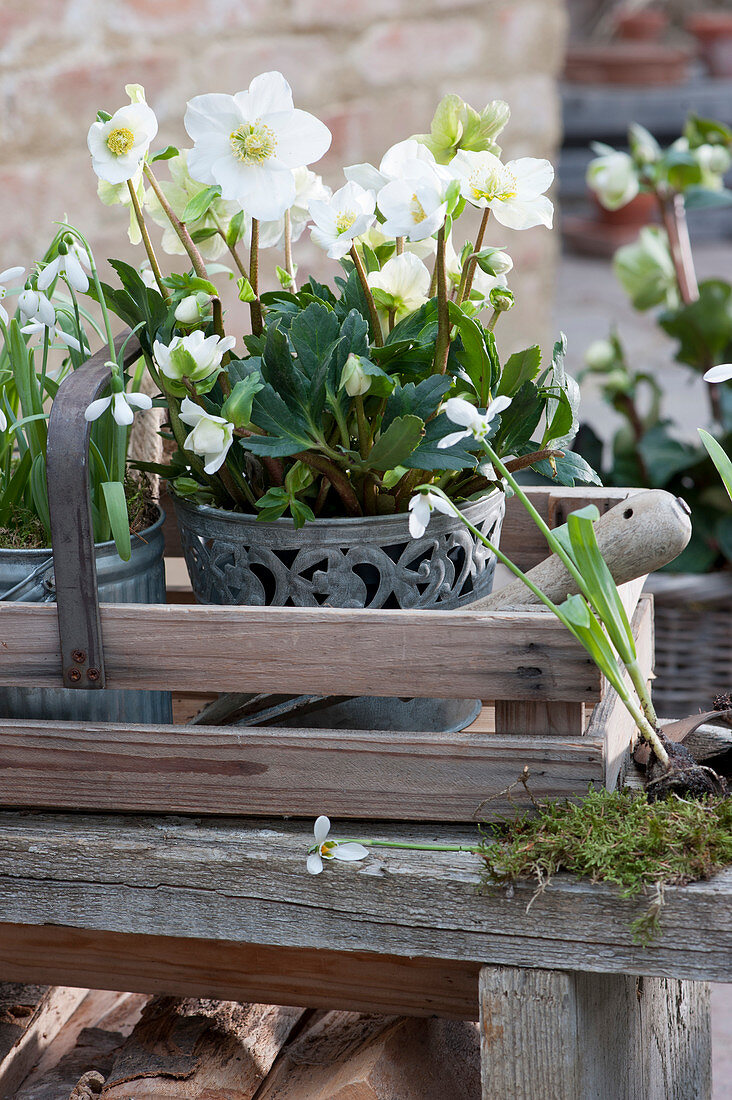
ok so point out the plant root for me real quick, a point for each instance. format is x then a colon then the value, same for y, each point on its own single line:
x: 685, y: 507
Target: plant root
x: 682, y: 777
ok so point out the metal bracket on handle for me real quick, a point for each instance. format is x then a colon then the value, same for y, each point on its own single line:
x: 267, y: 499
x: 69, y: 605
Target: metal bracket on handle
x: 69, y: 501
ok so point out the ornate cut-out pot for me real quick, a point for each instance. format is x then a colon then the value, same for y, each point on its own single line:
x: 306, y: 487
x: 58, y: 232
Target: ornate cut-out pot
x: 366, y: 562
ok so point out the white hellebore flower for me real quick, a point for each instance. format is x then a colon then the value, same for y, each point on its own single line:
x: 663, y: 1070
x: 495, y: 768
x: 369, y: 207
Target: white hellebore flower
x: 123, y: 405
x: 414, y: 206
x: 348, y: 214
x: 308, y: 187
x: 9, y: 275
x: 614, y: 179
x: 406, y: 281
x: 473, y: 421
x: 179, y: 190
x: 722, y: 373
x: 211, y: 436
x: 396, y: 162
x: 421, y: 507
x: 332, y: 849
x: 194, y: 357
x: 249, y: 144
x: 71, y: 265
x: 119, y: 146
x: 513, y: 192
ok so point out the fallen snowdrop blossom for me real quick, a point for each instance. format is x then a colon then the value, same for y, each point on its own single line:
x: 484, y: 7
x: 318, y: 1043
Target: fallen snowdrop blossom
x: 721, y: 373
x: 513, y: 192
x: 473, y: 421
x: 9, y: 275
x: 211, y: 436
x: 124, y: 405
x: 421, y: 507
x: 348, y: 214
x: 249, y: 144
x: 119, y: 146
x: 72, y: 264
x: 348, y: 852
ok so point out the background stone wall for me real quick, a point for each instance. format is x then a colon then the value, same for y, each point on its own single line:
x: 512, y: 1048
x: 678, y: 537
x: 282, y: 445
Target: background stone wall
x: 373, y: 70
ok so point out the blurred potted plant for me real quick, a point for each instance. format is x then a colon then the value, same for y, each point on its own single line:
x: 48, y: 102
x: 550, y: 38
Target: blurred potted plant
x: 45, y: 339
x: 693, y: 604
x: 712, y: 30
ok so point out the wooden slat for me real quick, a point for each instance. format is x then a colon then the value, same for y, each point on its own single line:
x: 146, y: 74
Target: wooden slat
x: 356, y: 981
x: 450, y: 654
x: 228, y: 770
x: 522, y: 540
x: 219, y: 880
x: 555, y: 719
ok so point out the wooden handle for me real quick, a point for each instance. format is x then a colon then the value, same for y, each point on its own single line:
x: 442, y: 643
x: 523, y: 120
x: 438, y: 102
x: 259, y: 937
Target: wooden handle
x: 642, y: 533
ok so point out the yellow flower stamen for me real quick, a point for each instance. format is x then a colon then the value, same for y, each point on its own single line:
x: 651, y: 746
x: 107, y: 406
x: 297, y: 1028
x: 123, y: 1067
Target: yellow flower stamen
x: 497, y: 184
x: 253, y: 143
x: 417, y: 210
x: 344, y: 221
x: 120, y: 141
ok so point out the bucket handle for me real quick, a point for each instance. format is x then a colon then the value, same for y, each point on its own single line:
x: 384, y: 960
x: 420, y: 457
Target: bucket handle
x: 69, y: 502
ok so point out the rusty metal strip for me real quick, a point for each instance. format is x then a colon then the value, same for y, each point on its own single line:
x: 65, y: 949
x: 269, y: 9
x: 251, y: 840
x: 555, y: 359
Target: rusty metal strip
x: 72, y: 540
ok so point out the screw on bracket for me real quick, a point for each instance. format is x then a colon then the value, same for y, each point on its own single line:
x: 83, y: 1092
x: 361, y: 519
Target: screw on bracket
x: 92, y: 674
x: 74, y: 675
x: 79, y: 656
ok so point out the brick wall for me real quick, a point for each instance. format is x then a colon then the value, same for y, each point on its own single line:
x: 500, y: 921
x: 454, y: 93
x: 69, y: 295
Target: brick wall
x: 373, y: 70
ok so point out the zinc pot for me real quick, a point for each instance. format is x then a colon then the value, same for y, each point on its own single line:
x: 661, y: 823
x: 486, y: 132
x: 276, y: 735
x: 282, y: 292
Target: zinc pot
x: 139, y: 580
x: 369, y: 562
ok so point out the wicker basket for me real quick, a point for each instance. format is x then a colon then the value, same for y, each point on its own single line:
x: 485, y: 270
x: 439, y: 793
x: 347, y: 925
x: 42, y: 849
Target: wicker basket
x: 693, y: 627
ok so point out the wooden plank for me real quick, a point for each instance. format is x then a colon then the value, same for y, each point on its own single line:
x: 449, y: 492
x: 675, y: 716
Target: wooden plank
x: 573, y: 1035
x: 555, y: 719
x: 219, y: 880
x: 452, y: 654
x: 237, y: 770
x: 522, y: 540
x: 55, y: 1007
x: 355, y: 981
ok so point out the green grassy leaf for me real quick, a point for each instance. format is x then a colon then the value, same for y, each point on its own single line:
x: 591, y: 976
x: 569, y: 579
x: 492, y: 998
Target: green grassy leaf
x: 115, y: 503
x: 719, y: 457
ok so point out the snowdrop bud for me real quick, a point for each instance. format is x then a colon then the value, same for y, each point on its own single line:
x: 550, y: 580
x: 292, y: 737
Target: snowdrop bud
x: 354, y: 377
x: 193, y: 309
x: 600, y: 355
x: 501, y: 298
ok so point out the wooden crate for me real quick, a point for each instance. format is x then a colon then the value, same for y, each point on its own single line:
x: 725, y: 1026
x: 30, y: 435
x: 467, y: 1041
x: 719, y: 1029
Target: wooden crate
x: 547, y: 707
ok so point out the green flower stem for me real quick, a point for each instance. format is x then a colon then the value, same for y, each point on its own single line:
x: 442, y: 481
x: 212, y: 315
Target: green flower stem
x: 466, y: 279
x: 371, y: 304
x: 183, y: 235
x: 474, y: 849
x: 98, y: 287
x: 255, y: 306
x: 399, y: 245
x: 363, y: 427
x: 147, y: 242
x: 494, y: 317
x: 289, y: 262
x: 442, y: 343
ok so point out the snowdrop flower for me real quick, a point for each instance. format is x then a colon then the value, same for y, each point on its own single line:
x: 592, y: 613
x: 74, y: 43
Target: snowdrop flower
x: 36, y: 307
x: 614, y: 179
x: 472, y: 420
x: 71, y: 264
x: 348, y: 214
x: 722, y: 373
x: 331, y: 849
x: 36, y: 328
x: 249, y: 144
x: 195, y: 357
x: 179, y: 190
x: 413, y: 207
x: 211, y: 436
x: 395, y: 164
x: 3, y: 421
x: 421, y: 507
x: 123, y: 406
x: 9, y: 275
x: 513, y: 192
x: 119, y: 146
x: 404, y: 282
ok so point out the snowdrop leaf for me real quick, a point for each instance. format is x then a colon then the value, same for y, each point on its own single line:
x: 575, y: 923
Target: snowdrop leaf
x: 39, y: 491
x: 115, y: 503
x: 602, y: 587
x: 721, y: 460
x: 395, y: 445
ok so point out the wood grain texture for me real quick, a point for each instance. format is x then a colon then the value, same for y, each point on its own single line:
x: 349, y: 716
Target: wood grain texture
x: 51, y: 1013
x: 455, y: 654
x: 222, y: 880
x: 354, y: 981
x: 231, y: 770
x: 606, y: 1036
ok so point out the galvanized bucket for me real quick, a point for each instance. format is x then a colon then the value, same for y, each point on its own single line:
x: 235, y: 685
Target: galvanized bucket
x: 364, y: 562
x: 27, y: 576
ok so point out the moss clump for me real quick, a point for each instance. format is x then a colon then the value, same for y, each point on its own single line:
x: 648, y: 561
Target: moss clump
x: 615, y: 837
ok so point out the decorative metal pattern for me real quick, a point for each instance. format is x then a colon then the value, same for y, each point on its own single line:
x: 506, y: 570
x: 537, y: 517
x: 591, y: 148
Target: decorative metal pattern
x: 371, y: 562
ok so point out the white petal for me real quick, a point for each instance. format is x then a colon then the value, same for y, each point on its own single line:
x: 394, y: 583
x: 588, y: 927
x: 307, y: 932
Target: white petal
x: 450, y: 440
x: 461, y: 411
x: 497, y: 406
x: 214, y: 113
x: 301, y: 138
x: 10, y: 274
x: 268, y: 92
x: 321, y: 828
x: 216, y: 461
x: 366, y: 176
x: 121, y: 411
x: 3, y: 421
x: 516, y: 214
x: 534, y: 176
x: 315, y: 863
x: 263, y: 191
x: 190, y: 412
x: 49, y: 273
x: 75, y: 274
x: 65, y: 338
x: 441, y: 505
x: 349, y: 852
x: 4, y: 315
x: 721, y: 373
x: 95, y: 410
x: 208, y: 149
x: 416, y: 527
x: 139, y: 400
